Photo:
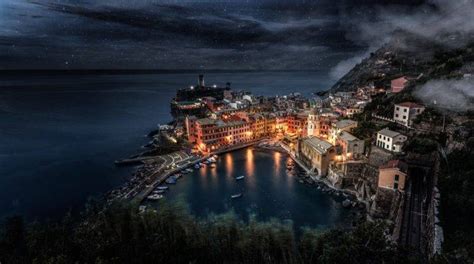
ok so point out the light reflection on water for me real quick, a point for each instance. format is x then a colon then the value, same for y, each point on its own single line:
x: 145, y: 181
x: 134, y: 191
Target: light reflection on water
x: 270, y: 190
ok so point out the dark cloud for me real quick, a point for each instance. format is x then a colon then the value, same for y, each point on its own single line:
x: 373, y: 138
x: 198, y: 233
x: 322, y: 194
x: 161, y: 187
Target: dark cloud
x: 181, y: 34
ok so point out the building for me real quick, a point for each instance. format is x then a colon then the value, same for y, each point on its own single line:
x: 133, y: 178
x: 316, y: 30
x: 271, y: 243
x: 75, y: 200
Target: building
x: 350, y: 146
x: 393, y: 175
x: 397, y: 85
x: 339, y: 126
x: 213, y: 134
x: 405, y: 113
x: 316, y: 154
x: 390, y: 140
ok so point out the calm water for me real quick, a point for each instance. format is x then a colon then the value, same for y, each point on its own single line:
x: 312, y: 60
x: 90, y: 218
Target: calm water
x: 59, y: 135
x: 269, y: 190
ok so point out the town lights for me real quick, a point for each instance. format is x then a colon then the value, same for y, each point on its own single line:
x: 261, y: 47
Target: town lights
x: 249, y: 133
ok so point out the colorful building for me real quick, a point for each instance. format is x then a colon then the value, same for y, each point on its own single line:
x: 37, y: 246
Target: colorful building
x: 316, y: 154
x: 397, y: 85
x: 393, y: 175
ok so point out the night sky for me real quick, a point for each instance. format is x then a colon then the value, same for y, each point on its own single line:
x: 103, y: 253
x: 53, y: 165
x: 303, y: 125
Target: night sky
x: 147, y: 34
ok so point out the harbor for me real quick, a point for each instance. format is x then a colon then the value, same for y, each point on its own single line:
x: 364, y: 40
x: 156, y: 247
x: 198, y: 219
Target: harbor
x: 273, y: 185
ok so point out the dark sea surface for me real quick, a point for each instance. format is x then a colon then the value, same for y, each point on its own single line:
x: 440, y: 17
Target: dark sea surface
x: 59, y: 136
x: 270, y: 189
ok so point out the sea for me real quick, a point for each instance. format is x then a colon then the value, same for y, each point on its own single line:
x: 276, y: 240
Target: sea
x: 60, y: 135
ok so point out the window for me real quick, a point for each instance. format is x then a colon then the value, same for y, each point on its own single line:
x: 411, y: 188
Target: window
x: 398, y: 108
x: 395, y: 185
x: 404, y: 117
x: 396, y: 115
x: 397, y: 177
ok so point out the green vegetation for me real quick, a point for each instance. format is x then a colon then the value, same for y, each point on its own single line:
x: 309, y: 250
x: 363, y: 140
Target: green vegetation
x: 421, y: 145
x: 456, y: 183
x: 120, y: 234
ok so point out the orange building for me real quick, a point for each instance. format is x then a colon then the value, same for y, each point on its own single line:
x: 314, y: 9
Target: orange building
x: 393, y: 175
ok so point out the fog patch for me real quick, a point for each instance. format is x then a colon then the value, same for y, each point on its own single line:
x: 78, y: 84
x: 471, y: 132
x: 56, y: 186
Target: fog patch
x: 454, y: 95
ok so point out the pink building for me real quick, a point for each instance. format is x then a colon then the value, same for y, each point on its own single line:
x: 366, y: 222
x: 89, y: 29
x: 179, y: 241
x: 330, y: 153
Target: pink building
x: 397, y: 85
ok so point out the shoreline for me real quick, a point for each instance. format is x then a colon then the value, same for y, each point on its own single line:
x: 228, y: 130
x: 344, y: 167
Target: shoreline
x: 350, y: 200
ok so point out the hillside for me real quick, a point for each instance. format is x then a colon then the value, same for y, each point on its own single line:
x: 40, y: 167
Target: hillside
x: 411, y: 56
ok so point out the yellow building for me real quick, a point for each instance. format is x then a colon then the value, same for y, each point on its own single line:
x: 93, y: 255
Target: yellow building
x: 316, y: 154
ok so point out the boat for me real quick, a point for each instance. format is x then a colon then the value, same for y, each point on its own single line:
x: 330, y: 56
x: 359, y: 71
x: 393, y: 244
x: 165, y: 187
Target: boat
x: 158, y: 191
x: 155, y: 197
x: 240, y: 177
x: 211, y: 160
x: 212, y: 165
x: 162, y: 188
x: 234, y: 196
x: 189, y: 170
x: 197, y: 166
x: 215, y: 156
x: 171, y: 180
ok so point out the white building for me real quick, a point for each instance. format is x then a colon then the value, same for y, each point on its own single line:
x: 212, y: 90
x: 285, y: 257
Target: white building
x: 342, y: 125
x: 390, y: 140
x: 405, y: 113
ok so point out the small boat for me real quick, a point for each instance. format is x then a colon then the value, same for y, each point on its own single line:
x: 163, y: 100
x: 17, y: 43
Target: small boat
x: 162, y: 188
x: 212, y: 165
x: 211, y: 160
x: 234, y: 196
x: 158, y: 191
x: 189, y: 170
x: 215, y: 156
x: 240, y: 177
x: 155, y: 197
x: 197, y: 166
x: 171, y: 180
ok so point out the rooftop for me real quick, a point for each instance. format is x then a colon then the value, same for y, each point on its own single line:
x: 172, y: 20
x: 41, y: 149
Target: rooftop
x: 345, y: 123
x: 388, y: 133
x: 402, y: 166
x: 347, y: 136
x: 206, y: 121
x: 410, y: 105
x: 321, y: 146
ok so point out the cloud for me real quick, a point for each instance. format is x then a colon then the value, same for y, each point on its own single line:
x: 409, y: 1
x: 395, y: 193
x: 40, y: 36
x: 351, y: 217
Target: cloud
x: 454, y: 95
x: 346, y: 65
x: 442, y: 22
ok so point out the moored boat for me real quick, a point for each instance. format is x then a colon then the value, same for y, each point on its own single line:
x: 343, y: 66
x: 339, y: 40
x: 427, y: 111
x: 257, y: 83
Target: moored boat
x: 240, y: 177
x: 155, y: 197
x: 234, y: 196
x: 162, y: 188
x: 171, y: 180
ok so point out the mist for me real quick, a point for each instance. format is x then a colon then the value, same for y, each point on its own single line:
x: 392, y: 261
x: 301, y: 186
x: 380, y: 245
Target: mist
x: 442, y: 22
x: 454, y: 95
